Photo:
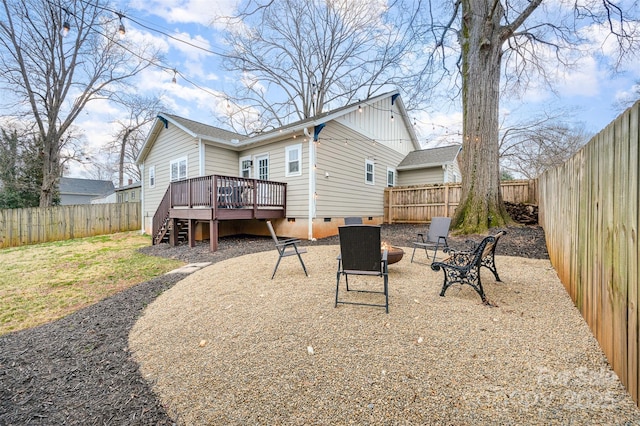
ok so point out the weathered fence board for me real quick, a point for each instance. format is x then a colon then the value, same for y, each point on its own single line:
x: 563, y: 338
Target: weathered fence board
x: 41, y: 224
x: 589, y: 210
x: 418, y: 204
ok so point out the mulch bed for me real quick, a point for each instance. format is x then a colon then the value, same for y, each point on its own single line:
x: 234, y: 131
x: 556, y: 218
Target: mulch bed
x: 78, y: 370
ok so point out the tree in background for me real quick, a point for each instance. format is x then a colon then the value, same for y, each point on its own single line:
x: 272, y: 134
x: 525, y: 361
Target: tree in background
x: 529, y: 148
x: 140, y: 112
x: 49, y: 78
x: 297, y: 58
x: 309, y: 55
x: 629, y: 98
x: 20, y: 171
x: 517, y: 39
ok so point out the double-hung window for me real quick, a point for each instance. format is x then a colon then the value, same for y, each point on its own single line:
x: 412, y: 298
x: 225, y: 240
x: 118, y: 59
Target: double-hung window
x: 245, y: 167
x: 178, y: 169
x: 293, y: 155
x: 152, y: 177
x: 369, y: 172
x: 391, y: 177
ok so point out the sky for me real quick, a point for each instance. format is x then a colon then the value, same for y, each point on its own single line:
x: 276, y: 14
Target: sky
x: 589, y: 91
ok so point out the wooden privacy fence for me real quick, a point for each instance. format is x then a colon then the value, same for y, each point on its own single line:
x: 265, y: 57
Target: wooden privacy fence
x: 418, y: 204
x: 589, y: 211
x: 41, y: 224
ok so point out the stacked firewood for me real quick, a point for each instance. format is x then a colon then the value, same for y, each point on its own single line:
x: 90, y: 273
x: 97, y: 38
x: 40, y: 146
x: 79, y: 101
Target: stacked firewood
x: 523, y: 213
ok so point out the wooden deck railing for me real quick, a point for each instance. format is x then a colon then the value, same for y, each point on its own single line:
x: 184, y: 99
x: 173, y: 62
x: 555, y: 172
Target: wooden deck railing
x: 222, y: 193
x: 217, y: 191
x: 162, y: 213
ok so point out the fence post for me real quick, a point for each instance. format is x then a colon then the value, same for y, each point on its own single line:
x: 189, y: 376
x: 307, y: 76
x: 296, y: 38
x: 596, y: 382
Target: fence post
x: 446, y: 200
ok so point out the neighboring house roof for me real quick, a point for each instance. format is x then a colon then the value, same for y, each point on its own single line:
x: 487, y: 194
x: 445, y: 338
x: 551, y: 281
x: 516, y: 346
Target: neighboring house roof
x: 237, y: 141
x: 85, y: 187
x: 432, y: 157
x: 130, y: 186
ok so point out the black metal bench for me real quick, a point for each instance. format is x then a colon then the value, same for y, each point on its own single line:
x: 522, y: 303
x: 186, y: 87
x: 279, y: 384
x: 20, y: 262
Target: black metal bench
x: 463, y: 266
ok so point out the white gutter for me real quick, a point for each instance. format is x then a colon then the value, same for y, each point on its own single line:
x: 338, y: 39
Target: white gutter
x: 142, y: 230
x: 312, y: 184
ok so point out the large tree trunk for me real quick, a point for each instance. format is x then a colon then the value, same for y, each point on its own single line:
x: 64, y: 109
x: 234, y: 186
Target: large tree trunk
x: 50, y: 171
x: 481, y: 204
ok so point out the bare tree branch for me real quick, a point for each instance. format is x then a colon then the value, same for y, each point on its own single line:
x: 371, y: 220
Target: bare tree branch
x: 54, y: 76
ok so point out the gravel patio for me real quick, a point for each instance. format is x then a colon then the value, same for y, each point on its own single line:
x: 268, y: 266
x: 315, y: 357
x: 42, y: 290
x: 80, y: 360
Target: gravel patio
x: 227, y: 345
x: 431, y: 360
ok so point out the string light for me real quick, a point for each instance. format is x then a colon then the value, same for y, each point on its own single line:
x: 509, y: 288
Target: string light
x: 122, y: 31
x: 65, y: 29
x: 65, y: 25
x: 121, y: 28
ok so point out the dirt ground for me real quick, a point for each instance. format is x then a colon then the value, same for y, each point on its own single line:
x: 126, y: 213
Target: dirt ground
x: 521, y: 241
x: 79, y: 370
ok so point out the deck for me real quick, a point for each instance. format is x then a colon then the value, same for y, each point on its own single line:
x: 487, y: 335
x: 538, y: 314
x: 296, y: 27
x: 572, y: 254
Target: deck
x: 212, y: 199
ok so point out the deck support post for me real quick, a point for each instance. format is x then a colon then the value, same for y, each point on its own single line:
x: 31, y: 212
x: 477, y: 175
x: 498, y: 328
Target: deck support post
x: 192, y: 233
x: 173, y: 235
x: 213, y: 235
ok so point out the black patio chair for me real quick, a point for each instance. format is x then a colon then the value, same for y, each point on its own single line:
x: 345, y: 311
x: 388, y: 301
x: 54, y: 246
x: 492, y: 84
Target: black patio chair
x: 436, y: 237
x: 286, y: 248
x: 360, y: 254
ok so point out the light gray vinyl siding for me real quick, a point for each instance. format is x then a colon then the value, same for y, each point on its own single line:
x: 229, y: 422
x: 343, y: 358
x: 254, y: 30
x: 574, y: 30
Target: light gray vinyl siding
x: 220, y: 161
x: 297, y: 186
x: 172, y: 144
x: 421, y: 176
x: 341, y: 153
x: 453, y: 173
x: 376, y: 120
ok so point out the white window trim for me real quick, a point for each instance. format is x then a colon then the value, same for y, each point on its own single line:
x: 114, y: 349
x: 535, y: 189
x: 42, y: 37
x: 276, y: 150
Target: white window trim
x: 186, y: 169
x: 395, y: 174
x: 287, y: 150
x: 373, y: 172
x: 243, y: 159
x: 152, y: 176
x: 256, y: 165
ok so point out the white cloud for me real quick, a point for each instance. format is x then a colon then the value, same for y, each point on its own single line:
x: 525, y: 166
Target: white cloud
x: 438, y: 129
x: 201, y: 12
x: 582, y: 80
x: 194, y: 48
x: 628, y: 93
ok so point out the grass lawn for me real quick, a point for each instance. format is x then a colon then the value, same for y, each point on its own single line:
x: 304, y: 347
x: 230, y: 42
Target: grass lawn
x: 43, y: 282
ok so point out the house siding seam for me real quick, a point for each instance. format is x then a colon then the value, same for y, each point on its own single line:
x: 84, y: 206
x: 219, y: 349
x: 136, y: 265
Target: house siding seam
x: 297, y: 186
x: 344, y: 191
x: 421, y: 176
x: 164, y: 151
x: 374, y: 122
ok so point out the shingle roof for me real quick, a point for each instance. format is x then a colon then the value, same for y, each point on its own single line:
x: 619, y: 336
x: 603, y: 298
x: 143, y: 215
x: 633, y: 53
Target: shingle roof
x: 137, y: 184
x: 205, y: 130
x: 228, y: 138
x: 86, y: 186
x: 429, y: 157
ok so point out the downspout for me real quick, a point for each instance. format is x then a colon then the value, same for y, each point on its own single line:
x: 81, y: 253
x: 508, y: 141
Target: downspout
x: 142, y: 230
x: 201, y: 157
x: 312, y: 184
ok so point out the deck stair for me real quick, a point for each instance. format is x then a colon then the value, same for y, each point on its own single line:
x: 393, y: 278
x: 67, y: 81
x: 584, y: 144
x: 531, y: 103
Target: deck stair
x: 211, y: 199
x: 164, y: 234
